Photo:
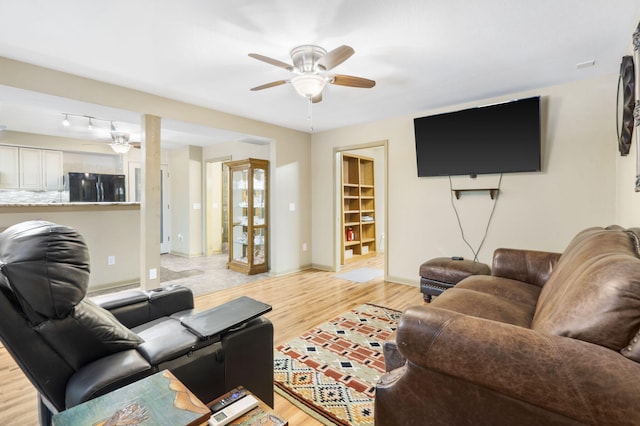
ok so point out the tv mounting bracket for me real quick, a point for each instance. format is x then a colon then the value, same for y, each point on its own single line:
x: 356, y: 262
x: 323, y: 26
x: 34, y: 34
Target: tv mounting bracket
x: 493, y: 192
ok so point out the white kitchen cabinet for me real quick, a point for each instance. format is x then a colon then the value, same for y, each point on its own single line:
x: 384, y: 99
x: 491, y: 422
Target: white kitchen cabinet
x: 30, y: 168
x: 9, y: 169
x: 52, y: 170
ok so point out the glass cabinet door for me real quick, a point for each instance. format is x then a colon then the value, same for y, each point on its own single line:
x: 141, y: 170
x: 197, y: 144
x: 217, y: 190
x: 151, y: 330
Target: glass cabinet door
x: 248, y: 224
x: 239, y: 208
x: 259, y: 225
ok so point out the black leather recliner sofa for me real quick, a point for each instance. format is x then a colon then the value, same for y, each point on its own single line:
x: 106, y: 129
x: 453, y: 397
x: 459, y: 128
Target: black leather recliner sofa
x: 73, y: 349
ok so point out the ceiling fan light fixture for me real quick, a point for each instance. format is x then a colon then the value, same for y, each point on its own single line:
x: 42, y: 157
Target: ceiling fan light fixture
x: 120, y: 143
x: 120, y: 148
x: 308, y: 85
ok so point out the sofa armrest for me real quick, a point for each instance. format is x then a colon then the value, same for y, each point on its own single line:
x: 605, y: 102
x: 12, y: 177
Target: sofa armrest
x: 570, y: 377
x: 135, y: 307
x: 530, y: 266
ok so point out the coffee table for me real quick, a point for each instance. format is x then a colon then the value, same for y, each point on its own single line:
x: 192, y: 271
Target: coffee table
x: 157, y: 399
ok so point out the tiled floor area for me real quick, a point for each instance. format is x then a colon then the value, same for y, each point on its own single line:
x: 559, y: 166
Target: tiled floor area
x: 204, y: 274
x: 207, y: 274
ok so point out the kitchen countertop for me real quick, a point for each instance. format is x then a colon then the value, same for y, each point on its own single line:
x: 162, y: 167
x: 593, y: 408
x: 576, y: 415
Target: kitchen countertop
x: 69, y: 206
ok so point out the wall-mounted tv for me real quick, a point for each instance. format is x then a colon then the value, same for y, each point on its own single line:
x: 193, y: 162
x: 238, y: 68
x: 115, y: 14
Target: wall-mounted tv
x: 500, y: 138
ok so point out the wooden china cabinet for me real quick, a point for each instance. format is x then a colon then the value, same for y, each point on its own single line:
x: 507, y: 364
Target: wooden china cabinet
x: 248, y: 225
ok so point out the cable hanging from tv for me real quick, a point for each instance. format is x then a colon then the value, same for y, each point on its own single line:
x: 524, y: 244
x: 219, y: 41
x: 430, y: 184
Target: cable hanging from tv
x: 486, y: 230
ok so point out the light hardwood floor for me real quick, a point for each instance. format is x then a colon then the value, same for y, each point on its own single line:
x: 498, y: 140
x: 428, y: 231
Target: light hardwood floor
x: 300, y: 301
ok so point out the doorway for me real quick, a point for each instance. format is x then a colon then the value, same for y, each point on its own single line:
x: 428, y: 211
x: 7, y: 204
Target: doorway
x: 378, y: 152
x: 217, y: 207
x: 135, y: 194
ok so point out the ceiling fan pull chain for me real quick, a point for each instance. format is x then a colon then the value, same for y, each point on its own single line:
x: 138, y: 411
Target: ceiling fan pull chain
x: 310, y: 115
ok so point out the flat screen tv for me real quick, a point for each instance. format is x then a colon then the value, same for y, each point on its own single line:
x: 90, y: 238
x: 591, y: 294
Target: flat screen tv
x: 500, y: 138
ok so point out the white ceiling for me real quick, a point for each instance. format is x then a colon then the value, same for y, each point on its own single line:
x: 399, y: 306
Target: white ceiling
x: 423, y: 54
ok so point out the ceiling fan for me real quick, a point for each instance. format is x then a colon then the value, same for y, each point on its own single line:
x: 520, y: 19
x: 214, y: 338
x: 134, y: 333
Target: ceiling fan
x: 121, y: 143
x: 312, y: 65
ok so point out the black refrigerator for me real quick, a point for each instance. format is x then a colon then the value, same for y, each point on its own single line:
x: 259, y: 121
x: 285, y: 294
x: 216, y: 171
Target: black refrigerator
x: 96, y: 188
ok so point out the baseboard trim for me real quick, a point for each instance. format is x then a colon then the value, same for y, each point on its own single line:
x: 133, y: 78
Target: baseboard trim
x: 323, y: 267
x: 400, y: 280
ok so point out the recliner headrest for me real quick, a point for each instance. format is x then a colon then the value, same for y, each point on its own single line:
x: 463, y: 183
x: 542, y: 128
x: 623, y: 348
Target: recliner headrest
x: 46, y: 266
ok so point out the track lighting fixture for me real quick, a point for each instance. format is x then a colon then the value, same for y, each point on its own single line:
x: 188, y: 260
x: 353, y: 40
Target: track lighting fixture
x: 120, y: 142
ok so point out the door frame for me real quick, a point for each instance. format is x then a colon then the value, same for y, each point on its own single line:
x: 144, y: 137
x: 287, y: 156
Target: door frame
x: 337, y: 199
x: 207, y: 226
x: 133, y: 191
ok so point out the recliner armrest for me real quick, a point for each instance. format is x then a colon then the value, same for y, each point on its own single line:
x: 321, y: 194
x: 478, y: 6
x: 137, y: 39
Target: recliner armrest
x: 112, y: 301
x: 136, y: 307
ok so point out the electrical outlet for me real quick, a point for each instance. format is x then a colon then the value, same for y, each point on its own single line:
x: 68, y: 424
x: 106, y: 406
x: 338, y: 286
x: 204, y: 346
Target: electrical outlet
x: 111, y: 260
x: 153, y: 273
x: 304, y: 246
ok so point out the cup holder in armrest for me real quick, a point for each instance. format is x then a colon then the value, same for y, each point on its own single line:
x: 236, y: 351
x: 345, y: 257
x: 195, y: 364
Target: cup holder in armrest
x: 117, y: 300
x: 170, y: 287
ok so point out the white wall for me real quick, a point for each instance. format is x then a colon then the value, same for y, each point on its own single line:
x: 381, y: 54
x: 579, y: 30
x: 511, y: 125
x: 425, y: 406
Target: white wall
x: 627, y: 200
x: 107, y: 230
x: 542, y: 211
x: 213, y: 207
x: 237, y: 151
x: 185, y: 170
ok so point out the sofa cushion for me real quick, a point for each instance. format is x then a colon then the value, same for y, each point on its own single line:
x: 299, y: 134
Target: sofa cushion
x: 164, y: 339
x: 594, y: 292
x: 505, y: 288
x: 485, y: 305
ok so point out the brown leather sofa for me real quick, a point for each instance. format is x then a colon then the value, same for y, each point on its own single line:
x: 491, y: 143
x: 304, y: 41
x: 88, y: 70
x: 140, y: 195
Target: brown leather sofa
x: 547, y: 339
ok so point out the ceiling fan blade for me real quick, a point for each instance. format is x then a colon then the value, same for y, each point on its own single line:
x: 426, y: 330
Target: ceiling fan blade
x: 272, y: 61
x: 335, y: 57
x: 268, y: 85
x: 317, y: 98
x: 351, y: 81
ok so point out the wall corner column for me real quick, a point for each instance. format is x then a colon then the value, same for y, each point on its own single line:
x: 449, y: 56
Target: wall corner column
x: 150, y: 214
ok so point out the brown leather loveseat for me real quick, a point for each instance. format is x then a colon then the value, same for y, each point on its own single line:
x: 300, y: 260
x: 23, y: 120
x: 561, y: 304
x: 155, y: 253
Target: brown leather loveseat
x: 547, y: 339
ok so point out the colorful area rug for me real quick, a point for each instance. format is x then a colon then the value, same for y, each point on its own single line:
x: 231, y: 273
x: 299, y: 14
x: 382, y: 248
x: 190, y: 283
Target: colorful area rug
x: 333, y: 368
